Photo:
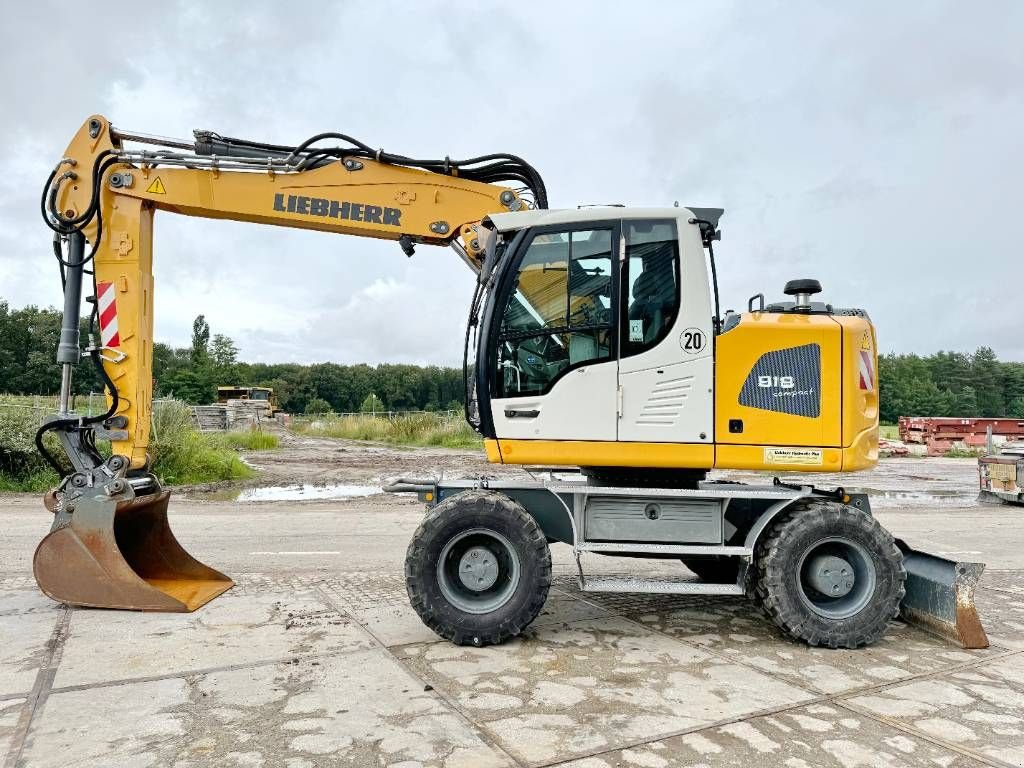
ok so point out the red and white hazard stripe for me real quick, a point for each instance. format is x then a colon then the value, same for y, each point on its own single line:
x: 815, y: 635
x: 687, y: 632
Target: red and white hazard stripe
x: 109, y: 336
x: 866, y: 368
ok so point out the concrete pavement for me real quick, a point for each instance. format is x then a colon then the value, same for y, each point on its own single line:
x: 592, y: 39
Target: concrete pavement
x: 315, y: 659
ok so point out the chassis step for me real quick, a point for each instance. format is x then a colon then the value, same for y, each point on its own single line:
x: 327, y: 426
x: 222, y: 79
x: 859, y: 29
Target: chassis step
x: 611, y: 547
x: 656, y: 587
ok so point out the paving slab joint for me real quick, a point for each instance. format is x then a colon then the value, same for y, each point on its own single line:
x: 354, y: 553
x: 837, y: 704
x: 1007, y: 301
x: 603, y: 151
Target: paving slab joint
x: 40, y: 689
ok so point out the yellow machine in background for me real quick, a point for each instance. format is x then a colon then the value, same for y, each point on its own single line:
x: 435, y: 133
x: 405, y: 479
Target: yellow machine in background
x: 259, y: 394
x: 595, y: 347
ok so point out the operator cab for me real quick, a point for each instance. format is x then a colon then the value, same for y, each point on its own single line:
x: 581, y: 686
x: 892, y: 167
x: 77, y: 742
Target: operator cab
x: 593, y: 325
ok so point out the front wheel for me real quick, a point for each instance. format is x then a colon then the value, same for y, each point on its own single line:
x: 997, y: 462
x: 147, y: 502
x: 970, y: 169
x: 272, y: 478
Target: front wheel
x: 478, y: 568
x: 830, y: 575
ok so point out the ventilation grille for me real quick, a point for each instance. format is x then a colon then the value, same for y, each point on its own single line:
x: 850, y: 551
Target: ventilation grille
x: 665, y: 403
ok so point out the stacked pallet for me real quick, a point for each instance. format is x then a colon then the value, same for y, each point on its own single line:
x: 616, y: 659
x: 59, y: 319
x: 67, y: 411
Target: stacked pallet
x: 242, y: 414
x: 210, y: 418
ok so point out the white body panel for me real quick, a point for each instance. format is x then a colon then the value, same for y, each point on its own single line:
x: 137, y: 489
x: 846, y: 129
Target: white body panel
x: 672, y: 404
x: 580, y: 406
x: 667, y: 391
x: 664, y: 394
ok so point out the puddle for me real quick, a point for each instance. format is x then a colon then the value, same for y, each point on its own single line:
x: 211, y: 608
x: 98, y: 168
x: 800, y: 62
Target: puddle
x: 297, y: 492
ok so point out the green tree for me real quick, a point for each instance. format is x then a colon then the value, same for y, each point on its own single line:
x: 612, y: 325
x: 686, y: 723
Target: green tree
x: 200, y: 339
x: 316, y: 406
x: 224, y: 356
x: 193, y: 385
x: 372, y: 404
x: 987, y: 381
x: 1016, y: 408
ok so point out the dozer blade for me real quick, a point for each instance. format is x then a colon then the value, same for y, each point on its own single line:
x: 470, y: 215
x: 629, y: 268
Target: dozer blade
x: 940, y: 597
x: 120, y: 553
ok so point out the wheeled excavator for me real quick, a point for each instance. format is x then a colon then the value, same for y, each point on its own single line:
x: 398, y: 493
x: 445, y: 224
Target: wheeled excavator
x: 597, y: 357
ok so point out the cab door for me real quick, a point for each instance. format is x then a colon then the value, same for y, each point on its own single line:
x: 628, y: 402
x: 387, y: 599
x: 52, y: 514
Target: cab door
x: 666, y: 366
x: 555, y: 368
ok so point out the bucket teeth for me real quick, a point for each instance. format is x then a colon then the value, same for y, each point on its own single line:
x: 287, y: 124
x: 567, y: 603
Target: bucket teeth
x: 106, y: 552
x: 940, y: 597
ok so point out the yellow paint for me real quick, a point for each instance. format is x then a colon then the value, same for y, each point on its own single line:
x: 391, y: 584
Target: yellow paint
x: 601, y: 454
x: 157, y: 187
x: 493, y: 451
x: 863, y: 450
x: 736, y: 353
x: 130, y: 268
x: 753, y: 457
x: 860, y: 407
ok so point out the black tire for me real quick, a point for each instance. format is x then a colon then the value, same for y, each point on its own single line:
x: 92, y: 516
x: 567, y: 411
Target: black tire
x: 713, y: 569
x: 783, y: 587
x: 426, y: 579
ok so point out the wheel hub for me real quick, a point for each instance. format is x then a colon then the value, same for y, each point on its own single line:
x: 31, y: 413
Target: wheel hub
x: 478, y: 569
x: 832, y: 576
x: 837, y: 577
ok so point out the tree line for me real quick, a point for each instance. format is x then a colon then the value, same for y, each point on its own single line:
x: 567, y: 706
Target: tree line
x: 941, y: 384
x: 28, y: 344
x: 950, y: 384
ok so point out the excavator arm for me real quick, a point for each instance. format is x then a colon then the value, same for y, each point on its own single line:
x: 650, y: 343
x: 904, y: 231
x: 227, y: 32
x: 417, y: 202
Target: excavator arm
x: 110, y: 544
x: 344, y: 192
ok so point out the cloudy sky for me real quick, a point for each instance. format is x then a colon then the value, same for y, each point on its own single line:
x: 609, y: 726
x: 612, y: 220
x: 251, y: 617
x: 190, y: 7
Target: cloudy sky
x: 877, y: 147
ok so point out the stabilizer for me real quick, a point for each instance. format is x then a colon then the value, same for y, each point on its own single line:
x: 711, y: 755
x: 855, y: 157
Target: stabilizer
x: 940, y: 597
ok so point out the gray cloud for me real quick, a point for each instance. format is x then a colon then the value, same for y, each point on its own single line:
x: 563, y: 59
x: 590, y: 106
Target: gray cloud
x: 876, y: 147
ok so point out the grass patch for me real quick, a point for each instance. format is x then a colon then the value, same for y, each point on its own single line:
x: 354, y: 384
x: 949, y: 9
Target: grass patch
x: 889, y: 432
x: 425, y: 429
x: 958, y: 452
x: 251, y: 440
x: 184, y: 456
x: 39, y: 481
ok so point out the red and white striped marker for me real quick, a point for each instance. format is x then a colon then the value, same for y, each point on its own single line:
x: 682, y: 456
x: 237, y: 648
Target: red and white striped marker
x: 866, y: 370
x: 107, y: 306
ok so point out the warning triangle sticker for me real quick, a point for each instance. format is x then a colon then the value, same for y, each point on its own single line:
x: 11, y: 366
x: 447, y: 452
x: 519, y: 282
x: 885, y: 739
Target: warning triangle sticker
x: 157, y: 187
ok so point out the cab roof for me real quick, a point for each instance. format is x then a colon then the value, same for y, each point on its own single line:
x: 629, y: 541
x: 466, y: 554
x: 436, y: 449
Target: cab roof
x: 510, y: 222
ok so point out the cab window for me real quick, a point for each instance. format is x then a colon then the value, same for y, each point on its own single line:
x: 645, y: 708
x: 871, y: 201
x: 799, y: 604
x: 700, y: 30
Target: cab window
x: 651, y: 289
x: 560, y: 313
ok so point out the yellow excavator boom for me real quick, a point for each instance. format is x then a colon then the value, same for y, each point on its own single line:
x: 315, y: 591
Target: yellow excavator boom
x: 350, y: 195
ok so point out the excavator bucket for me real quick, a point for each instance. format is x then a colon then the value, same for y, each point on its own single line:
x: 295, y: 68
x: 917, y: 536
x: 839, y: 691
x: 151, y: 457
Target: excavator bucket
x: 940, y: 597
x: 120, y: 553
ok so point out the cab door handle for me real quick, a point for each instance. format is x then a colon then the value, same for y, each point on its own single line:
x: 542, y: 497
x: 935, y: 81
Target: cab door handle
x: 510, y: 414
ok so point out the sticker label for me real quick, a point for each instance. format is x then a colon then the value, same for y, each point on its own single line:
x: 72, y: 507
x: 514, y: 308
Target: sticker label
x: 636, y: 330
x: 808, y: 457
x: 157, y: 187
x: 692, y: 340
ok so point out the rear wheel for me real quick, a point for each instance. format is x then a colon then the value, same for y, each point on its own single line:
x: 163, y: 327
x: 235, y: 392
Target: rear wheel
x: 830, y: 575
x: 478, y: 568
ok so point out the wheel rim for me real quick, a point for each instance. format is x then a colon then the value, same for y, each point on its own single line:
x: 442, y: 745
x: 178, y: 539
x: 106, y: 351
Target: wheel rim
x: 478, y: 571
x: 837, y: 577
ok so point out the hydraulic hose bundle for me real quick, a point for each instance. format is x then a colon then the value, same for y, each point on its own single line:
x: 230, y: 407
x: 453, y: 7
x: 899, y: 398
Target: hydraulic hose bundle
x: 487, y: 169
